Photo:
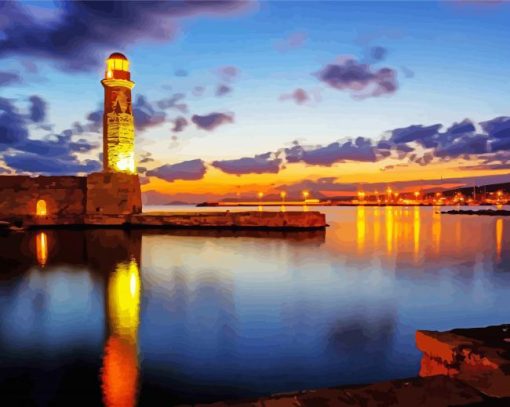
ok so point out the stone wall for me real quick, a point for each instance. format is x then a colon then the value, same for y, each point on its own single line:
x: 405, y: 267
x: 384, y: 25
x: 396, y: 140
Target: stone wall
x: 113, y: 194
x: 64, y: 195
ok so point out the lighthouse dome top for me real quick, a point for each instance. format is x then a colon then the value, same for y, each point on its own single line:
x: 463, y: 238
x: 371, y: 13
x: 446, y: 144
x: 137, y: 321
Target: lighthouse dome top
x: 117, y: 67
x: 118, y: 55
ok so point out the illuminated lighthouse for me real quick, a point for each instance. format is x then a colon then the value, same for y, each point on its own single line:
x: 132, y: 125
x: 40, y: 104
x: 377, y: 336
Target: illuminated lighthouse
x: 118, y: 122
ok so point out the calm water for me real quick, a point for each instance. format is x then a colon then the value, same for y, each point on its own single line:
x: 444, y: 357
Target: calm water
x: 114, y: 317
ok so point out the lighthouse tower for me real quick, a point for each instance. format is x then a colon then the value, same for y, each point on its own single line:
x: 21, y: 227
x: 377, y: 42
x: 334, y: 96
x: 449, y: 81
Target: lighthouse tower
x: 118, y: 122
x: 116, y: 190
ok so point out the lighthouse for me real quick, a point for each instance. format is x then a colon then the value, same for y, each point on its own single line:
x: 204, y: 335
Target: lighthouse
x: 118, y: 121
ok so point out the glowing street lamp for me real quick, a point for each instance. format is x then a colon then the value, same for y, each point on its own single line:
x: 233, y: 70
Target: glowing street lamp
x: 283, y: 194
x: 305, y: 195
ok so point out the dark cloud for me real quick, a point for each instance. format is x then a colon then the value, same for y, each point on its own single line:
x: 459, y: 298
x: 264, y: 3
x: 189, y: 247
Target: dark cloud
x: 145, y: 114
x: 82, y: 33
x: 498, y: 127
x: 378, y: 53
x: 186, y: 170
x: 35, y: 163
x: 53, y: 154
x: 292, y: 41
x: 181, y: 73
x: 13, y: 126
x: 37, y: 109
x: 146, y: 158
x: 180, y: 124
x: 9, y: 78
x: 360, y: 79
x: 82, y: 146
x: 223, y: 89
x: 174, y: 102
x: 421, y: 134
x: 212, y: 120
x: 228, y: 73
x: 198, y: 91
x: 260, y: 164
x: 299, y: 96
x: 464, y: 145
x: 361, y: 149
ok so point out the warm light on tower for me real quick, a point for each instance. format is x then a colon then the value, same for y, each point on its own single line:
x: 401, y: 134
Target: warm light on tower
x: 118, y: 122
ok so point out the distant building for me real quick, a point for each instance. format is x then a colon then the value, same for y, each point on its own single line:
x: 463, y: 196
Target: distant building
x: 72, y: 199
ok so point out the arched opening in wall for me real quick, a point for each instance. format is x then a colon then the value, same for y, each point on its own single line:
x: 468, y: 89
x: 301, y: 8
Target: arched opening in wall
x: 41, y: 208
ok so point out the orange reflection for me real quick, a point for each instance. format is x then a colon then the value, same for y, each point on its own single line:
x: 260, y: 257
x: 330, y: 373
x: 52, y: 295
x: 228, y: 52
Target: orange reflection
x: 360, y: 227
x: 499, y: 238
x: 377, y: 226
x: 389, y: 229
x: 416, y: 230
x: 436, y: 229
x: 119, y: 374
x: 41, y: 248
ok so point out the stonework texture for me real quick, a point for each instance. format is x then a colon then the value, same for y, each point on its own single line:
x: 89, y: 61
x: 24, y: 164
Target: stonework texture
x: 64, y: 195
x: 113, y: 193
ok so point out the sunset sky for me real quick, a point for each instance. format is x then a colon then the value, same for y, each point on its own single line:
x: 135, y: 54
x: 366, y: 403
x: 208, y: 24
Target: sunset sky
x: 236, y: 97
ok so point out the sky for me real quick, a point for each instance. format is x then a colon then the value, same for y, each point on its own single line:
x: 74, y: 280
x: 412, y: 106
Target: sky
x: 236, y: 97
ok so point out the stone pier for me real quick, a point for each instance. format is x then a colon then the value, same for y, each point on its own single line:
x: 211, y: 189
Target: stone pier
x: 180, y: 220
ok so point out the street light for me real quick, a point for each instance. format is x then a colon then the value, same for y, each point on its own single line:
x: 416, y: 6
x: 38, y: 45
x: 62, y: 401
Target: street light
x: 305, y: 195
x: 283, y: 194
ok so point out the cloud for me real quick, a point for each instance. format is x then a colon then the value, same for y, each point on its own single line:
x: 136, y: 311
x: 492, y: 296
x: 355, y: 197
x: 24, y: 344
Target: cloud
x: 53, y: 154
x: 378, y: 53
x: 361, y: 149
x: 36, y: 163
x: 198, y: 91
x: 174, y: 102
x: 181, y: 73
x: 267, y: 163
x: 145, y: 114
x: 9, y: 78
x: 212, y: 120
x: 37, y: 109
x: 187, y: 170
x: 228, y: 73
x: 498, y: 127
x: 223, y: 89
x: 180, y: 123
x: 292, y: 41
x: 362, y: 80
x: 81, y: 33
x: 421, y: 134
x: 146, y: 158
x: 299, y: 96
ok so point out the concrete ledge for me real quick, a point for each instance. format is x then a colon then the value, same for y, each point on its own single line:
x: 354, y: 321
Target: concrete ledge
x: 245, y: 220
x: 252, y: 220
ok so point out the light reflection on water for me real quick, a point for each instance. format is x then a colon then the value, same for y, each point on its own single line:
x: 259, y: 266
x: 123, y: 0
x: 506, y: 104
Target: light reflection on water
x: 161, y: 318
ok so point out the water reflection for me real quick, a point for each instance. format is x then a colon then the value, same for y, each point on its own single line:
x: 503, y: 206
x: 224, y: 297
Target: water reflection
x: 128, y: 318
x: 41, y: 241
x: 499, y: 238
x: 360, y: 228
x: 119, y: 374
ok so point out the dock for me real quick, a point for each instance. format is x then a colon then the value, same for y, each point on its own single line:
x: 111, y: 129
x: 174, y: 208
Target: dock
x: 252, y: 220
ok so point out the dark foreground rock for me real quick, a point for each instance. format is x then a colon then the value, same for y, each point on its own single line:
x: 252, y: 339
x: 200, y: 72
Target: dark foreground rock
x: 479, y: 357
x: 437, y: 391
